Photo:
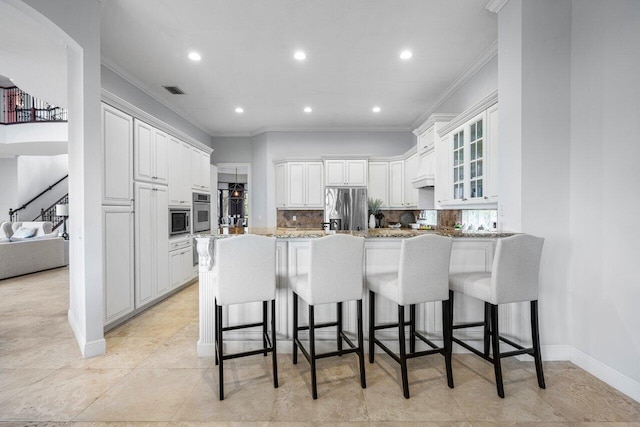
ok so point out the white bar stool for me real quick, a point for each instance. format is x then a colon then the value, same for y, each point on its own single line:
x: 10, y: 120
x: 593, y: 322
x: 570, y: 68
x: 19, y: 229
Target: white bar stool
x: 335, y: 276
x: 245, y: 271
x: 423, y: 276
x: 514, y: 278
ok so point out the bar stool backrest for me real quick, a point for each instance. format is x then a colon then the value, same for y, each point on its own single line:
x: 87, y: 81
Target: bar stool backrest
x: 336, y: 269
x: 516, y: 269
x: 245, y: 269
x: 424, y: 269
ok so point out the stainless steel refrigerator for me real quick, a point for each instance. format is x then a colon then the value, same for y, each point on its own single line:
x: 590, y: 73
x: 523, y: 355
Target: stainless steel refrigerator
x: 346, y: 208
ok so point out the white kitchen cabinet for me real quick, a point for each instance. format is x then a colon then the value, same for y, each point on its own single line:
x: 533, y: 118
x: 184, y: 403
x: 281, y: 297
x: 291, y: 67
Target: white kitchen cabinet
x: 152, y: 242
x: 151, y: 153
x: 468, y: 153
x: 349, y: 173
x: 179, y: 173
x: 117, y: 149
x: 281, y: 185
x: 180, y: 262
x: 379, y: 182
x: 396, y: 184
x: 200, y: 170
x: 410, y: 173
x: 305, y: 189
x: 118, y: 262
x: 299, y: 185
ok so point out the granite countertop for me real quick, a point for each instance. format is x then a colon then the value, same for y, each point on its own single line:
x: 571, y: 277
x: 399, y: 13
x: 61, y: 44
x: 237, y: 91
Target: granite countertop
x: 305, y: 233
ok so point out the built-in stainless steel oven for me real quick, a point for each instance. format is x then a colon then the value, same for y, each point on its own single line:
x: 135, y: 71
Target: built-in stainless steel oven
x: 201, y: 218
x: 179, y: 221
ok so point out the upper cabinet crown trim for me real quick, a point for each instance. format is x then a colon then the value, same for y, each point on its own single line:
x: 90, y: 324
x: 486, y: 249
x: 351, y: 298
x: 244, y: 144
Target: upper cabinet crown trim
x: 435, y: 117
x: 345, y: 157
x: 469, y: 113
x: 495, y: 5
x: 126, y: 107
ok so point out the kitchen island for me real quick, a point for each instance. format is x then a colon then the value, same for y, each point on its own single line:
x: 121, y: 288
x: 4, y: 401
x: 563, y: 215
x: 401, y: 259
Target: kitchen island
x: 470, y: 252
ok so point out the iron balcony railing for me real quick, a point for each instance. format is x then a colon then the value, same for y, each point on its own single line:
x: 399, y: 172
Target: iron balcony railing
x: 20, y: 107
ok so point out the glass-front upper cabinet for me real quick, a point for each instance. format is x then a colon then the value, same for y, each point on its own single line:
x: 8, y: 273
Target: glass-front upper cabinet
x: 469, y: 160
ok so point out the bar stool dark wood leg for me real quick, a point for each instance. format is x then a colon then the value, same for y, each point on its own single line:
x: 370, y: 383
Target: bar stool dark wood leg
x: 219, y: 350
x: 312, y: 352
x: 372, y: 325
x: 215, y: 332
x: 535, y: 335
x: 339, y: 327
x: 264, y: 327
x: 403, y: 352
x: 363, y: 380
x: 446, y: 332
x: 496, y: 349
x: 412, y: 328
x: 273, y: 343
x: 295, y: 328
x: 487, y: 329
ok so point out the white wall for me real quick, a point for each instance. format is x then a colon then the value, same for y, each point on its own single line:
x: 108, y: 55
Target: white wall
x: 120, y: 87
x: 258, y: 217
x: 8, y: 186
x: 604, y: 289
x: 77, y: 24
x: 231, y: 149
x: 483, y: 83
x: 34, y: 175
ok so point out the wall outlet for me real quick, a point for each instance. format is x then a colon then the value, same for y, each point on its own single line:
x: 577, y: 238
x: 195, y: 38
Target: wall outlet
x: 295, y: 218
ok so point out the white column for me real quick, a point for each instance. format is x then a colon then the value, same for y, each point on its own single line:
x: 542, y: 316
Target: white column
x: 206, y: 342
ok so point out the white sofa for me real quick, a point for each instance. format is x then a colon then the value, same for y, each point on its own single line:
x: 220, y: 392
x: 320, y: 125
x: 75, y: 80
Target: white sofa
x: 42, y: 252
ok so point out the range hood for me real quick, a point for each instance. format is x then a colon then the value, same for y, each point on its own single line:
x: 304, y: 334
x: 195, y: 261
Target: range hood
x: 423, y: 181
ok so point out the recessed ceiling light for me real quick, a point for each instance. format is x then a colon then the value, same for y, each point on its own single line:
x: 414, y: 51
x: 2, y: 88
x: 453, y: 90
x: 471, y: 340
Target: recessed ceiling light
x: 406, y: 54
x: 307, y: 109
x: 300, y: 55
x: 194, y: 56
x: 376, y: 109
x: 239, y: 110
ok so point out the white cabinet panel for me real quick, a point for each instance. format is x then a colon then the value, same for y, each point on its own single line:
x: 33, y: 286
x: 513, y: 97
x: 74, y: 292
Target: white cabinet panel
x: 205, y: 171
x: 314, y: 185
x: 297, y: 184
x: 379, y: 182
x: 151, y: 152
x: 117, y: 148
x: 152, y: 242
x: 118, y: 262
x: 396, y: 183
x: 175, y: 267
x: 200, y: 170
x: 356, y: 172
x: 300, y: 184
x: 179, y: 172
x: 410, y: 172
x: 345, y: 173
x: 281, y: 185
x: 492, y: 153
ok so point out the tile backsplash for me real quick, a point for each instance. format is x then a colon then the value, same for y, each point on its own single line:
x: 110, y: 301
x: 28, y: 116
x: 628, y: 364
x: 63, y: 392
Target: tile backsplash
x: 446, y: 218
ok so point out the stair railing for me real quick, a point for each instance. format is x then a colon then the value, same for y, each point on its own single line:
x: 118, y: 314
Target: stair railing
x: 13, y: 213
x: 49, y: 214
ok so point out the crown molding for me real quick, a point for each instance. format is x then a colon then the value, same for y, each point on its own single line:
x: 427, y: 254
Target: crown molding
x: 262, y: 130
x: 128, y: 108
x: 470, y: 112
x: 150, y: 92
x: 495, y: 5
x: 435, y: 117
x: 482, y: 60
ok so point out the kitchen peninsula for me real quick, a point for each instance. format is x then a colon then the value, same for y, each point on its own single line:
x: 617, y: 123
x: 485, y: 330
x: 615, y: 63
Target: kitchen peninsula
x: 470, y: 252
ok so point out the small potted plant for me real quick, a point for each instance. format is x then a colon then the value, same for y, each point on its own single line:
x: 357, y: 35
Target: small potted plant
x: 374, y: 211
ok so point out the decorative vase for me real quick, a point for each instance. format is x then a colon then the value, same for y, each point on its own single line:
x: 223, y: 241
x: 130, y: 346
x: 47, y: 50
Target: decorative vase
x: 379, y: 220
x: 372, y: 221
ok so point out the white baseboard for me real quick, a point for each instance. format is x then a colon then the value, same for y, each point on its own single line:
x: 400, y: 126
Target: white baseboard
x: 615, y: 379
x: 88, y: 349
x: 206, y: 349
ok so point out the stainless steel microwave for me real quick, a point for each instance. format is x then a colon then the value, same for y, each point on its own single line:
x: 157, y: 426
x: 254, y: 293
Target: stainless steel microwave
x: 179, y: 221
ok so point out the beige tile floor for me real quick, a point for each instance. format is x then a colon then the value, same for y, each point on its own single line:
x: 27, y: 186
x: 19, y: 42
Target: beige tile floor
x: 152, y: 376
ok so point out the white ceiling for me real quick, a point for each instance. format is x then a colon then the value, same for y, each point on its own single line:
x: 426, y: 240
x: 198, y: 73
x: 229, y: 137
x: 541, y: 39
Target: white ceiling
x: 247, y: 51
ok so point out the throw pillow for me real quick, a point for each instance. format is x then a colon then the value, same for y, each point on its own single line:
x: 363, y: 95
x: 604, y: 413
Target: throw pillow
x: 24, y: 232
